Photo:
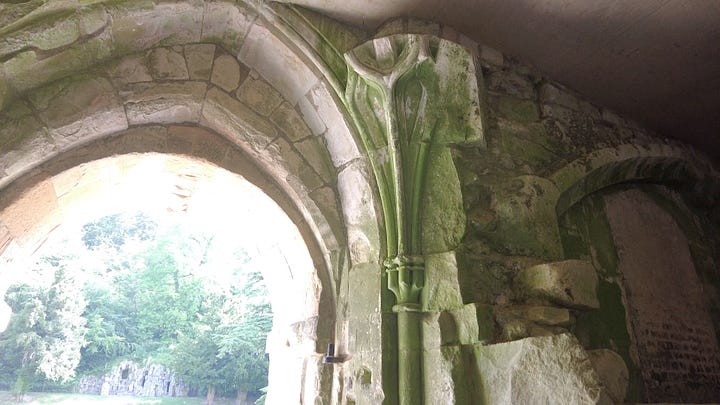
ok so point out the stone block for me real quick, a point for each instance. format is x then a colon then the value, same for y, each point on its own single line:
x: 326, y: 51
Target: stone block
x: 5, y: 93
x: 317, y: 156
x: 311, y: 117
x: 282, y: 68
x: 612, y: 118
x: 23, y: 141
x: 294, y: 164
x: 517, y: 109
x: 543, y: 315
x: 511, y: 84
x: 459, y: 326
x: 613, y: 373
x: 445, y: 367
x: 26, y: 70
x: 524, y: 220
x: 444, y: 217
x: 358, y: 208
x: 167, y: 64
x: 226, y: 24
x: 132, y: 69
x: 199, y: 59
x: 339, y: 140
x: 95, y: 110
x: 571, y: 283
x: 550, y: 93
x: 510, y: 372
x: 62, y: 33
x: 148, y: 25
x: 235, y: 120
x: 442, y: 289
x: 491, y: 56
x: 91, y: 20
x: 164, y: 103
x: 326, y: 200
x: 259, y: 95
x: 226, y: 73
x: 290, y: 121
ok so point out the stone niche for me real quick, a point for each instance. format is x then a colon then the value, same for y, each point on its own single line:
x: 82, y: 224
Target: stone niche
x: 675, y: 342
x: 128, y: 378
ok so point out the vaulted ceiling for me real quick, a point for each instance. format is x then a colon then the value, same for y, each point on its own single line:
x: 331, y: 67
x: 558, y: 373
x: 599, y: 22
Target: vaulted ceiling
x: 656, y: 61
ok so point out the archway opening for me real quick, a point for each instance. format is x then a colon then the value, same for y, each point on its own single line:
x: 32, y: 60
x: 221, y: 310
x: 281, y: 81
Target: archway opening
x: 192, y: 194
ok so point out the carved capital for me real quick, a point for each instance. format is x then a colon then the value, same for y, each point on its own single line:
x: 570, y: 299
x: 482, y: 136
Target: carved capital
x: 409, y: 93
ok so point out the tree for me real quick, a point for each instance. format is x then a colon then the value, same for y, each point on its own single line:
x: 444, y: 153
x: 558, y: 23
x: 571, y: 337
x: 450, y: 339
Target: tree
x: 226, y: 353
x: 46, y: 331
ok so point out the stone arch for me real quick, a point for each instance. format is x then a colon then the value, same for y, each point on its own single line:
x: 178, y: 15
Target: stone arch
x: 192, y: 78
x: 657, y: 163
x: 601, y: 199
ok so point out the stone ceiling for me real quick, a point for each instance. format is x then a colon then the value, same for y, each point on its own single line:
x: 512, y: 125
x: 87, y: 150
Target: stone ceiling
x: 656, y: 61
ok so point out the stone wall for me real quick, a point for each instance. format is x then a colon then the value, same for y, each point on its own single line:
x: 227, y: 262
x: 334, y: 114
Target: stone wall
x: 129, y: 378
x: 523, y: 277
x: 549, y: 154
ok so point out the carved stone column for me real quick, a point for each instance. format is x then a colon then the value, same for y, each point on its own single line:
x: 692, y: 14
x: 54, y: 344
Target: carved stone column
x: 408, y: 94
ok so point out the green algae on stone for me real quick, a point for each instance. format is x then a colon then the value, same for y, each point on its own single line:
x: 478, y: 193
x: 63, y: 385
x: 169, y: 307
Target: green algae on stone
x: 525, y: 222
x: 517, y: 109
x: 443, y: 218
x: 442, y: 291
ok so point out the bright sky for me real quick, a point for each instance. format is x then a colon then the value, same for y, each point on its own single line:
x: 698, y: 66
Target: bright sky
x: 180, y: 190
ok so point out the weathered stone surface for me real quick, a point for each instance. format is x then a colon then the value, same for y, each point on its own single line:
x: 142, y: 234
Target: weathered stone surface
x: 4, y: 93
x: 95, y: 110
x: 27, y: 70
x: 128, y: 378
x: 132, y: 69
x: 571, y: 283
x: 92, y: 19
x: 442, y: 291
x: 510, y: 83
x: 612, y: 372
x: 446, y: 368
x: 295, y: 164
x: 459, y: 326
x: 523, y: 219
x: 281, y: 68
x: 234, y: 119
x: 226, y: 73
x: 552, y: 94
x: 226, y: 24
x: 164, y: 103
x: 527, y: 144
x: 199, y: 59
x: 310, y: 115
x: 551, y: 316
x: 259, y: 95
x: 327, y: 202
x: 537, y: 370
x: 144, y: 26
x: 341, y: 145
x: 32, y: 215
x: 517, y: 109
x: 491, y: 56
x: 167, y: 63
x: 443, y: 220
x: 317, y: 156
x: 23, y: 140
x: 357, y: 200
x: 288, y: 119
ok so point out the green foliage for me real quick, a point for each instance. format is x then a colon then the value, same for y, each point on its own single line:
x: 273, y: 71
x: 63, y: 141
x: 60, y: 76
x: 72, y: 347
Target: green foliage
x: 147, y: 292
x: 228, y: 351
x: 116, y: 230
x: 46, y: 332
